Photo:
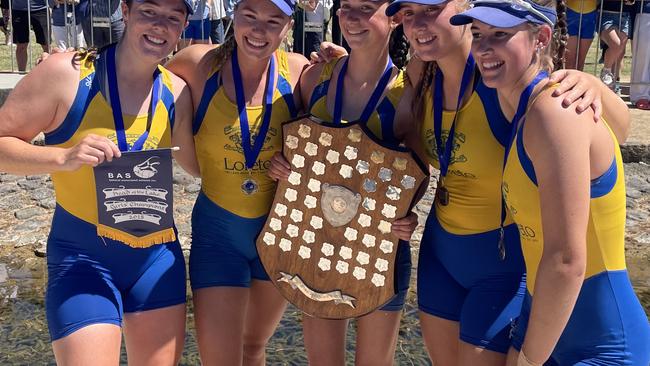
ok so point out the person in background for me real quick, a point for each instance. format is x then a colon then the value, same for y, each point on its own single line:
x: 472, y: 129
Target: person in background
x: 66, y: 25
x: 615, y: 28
x: 199, y: 29
x: 582, y: 16
x: 102, y: 22
x: 309, y: 26
x: 218, y: 21
x: 21, y: 19
x: 5, y: 22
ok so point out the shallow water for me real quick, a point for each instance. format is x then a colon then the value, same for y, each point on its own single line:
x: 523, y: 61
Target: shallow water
x: 24, y: 338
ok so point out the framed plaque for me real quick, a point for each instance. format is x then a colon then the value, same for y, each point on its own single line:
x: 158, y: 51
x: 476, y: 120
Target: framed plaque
x: 327, y: 242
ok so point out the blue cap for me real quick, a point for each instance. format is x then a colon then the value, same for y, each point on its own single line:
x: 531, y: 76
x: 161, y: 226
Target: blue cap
x: 395, y: 5
x: 287, y: 6
x: 506, y: 13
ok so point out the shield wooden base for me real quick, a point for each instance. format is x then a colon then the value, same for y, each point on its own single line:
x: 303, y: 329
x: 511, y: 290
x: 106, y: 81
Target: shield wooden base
x: 327, y: 243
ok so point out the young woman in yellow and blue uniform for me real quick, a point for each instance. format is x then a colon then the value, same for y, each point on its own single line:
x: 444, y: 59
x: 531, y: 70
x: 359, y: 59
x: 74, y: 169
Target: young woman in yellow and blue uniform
x: 96, y: 285
x: 243, y: 91
x: 350, y: 89
x: 464, y: 254
x: 564, y: 186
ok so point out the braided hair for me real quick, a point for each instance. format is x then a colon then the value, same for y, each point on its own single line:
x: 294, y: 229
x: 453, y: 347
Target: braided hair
x: 398, y: 47
x: 422, y: 88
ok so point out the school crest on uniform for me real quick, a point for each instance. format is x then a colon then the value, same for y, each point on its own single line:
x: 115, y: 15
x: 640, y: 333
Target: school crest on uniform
x: 327, y: 243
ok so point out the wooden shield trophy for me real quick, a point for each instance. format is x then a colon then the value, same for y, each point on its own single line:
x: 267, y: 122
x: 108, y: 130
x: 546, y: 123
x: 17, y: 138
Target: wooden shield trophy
x: 327, y: 242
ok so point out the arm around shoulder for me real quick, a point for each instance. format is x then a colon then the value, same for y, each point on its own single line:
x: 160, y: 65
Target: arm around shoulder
x: 308, y: 82
x: 297, y: 65
x: 182, y: 134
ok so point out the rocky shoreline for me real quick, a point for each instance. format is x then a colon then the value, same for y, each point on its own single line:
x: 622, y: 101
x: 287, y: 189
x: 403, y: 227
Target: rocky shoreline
x: 27, y: 204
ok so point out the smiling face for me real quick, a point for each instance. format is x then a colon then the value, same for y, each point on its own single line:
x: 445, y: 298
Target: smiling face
x: 428, y: 29
x: 260, y: 27
x: 364, y: 23
x: 154, y: 26
x: 506, y: 55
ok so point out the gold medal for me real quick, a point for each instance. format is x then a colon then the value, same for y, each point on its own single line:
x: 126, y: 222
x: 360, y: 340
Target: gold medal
x: 442, y: 195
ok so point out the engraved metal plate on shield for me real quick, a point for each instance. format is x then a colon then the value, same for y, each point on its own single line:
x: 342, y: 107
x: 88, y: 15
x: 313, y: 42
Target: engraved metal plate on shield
x: 369, y: 204
x: 325, y: 139
x: 363, y: 258
x: 324, y: 264
x: 364, y: 220
x: 309, y: 236
x: 296, y: 215
x: 388, y: 211
x: 408, y: 182
x: 359, y: 273
x: 345, y: 252
x: 285, y: 245
x: 316, y: 222
x: 327, y: 249
x: 393, y: 193
x: 304, y: 252
x: 281, y: 210
x: 368, y: 240
x: 291, y: 142
x: 269, y: 239
x: 304, y: 131
x: 381, y: 265
x: 400, y: 163
x: 318, y: 168
x: 310, y: 201
x: 363, y: 167
x: 346, y: 171
x: 354, y: 135
x: 339, y: 204
x: 313, y: 185
x: 294, y: 178
x: 384, y: 227
x: 369, y: 185
x: 351, y: 152
x: 311, y: 149
x: 385, y: 174
x: 377, y: 157
x: 332, y: 156
x: 298, y: 161
x: 378, y: 280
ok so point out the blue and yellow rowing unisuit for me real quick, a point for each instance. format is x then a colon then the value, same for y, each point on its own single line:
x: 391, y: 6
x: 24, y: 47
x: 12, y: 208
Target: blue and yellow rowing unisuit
x: 608, y: 324
x: 226, y: 219
x: 460, y: 275
x: 381, y: 124
x: 91, y: 279
x: 381, y: 121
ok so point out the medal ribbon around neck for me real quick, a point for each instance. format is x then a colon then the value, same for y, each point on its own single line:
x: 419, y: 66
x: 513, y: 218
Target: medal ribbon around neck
x: 519, y: 114
x: 114, y: 96
x: 374, y: 97
x: 251, y: 153
x: 444, y: 156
